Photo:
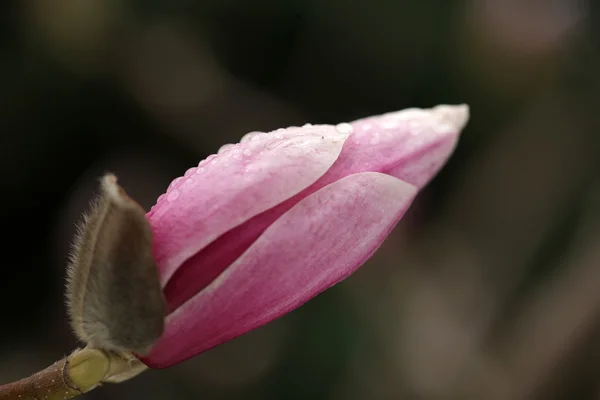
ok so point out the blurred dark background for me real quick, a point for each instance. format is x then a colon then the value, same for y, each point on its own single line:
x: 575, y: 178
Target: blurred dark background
x: 489, y: 289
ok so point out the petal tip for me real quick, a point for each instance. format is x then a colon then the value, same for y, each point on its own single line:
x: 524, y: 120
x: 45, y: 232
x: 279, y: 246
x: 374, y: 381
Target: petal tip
x: 455, y: 116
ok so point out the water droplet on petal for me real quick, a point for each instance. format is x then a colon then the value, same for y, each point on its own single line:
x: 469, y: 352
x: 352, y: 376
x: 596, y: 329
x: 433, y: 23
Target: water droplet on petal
x: 249, y: 136
x: 307, y: 125
x: 174, y: 182
x: 225, y: 147
x: 199, y: 170
x: 344, y: 128
x: 260, y: 136
x: 173, y: 195
x: 189, y: 172
x: 188, y: 182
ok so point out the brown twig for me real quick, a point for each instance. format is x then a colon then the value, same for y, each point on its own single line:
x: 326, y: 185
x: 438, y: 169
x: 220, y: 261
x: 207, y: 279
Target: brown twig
x: 80, y: 372
x: 52, y: 383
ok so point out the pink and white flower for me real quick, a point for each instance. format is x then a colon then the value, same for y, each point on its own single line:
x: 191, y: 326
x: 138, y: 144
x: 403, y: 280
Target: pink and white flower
x: 265, y: 225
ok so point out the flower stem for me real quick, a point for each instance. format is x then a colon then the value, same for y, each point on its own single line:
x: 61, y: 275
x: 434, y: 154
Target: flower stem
x: 78, y: 373
x: 52, y: 383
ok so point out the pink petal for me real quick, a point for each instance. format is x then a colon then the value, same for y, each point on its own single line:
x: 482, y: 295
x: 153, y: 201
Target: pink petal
x: 411, y: 144
x: 320, y: 241
x: 229, y: 188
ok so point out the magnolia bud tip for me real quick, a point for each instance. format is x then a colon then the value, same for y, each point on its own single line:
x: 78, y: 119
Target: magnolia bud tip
x: 455, y: 116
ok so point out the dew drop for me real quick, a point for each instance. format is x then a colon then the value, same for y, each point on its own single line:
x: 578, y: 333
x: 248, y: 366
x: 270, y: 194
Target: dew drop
x: 344, y: 128
x: 188, y: 182
x: 173, y: 195
x: 259, y: 136
x: 199, y: 170
x: 307, y: 125
x: 174, y: 182
x: 249, y: 136
x: 189, y: 172
x: 225, y: 147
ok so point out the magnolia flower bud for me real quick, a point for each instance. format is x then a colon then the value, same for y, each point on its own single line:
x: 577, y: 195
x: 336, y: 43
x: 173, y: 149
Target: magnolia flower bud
x: 269, y: 223
x: 114, y: 297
